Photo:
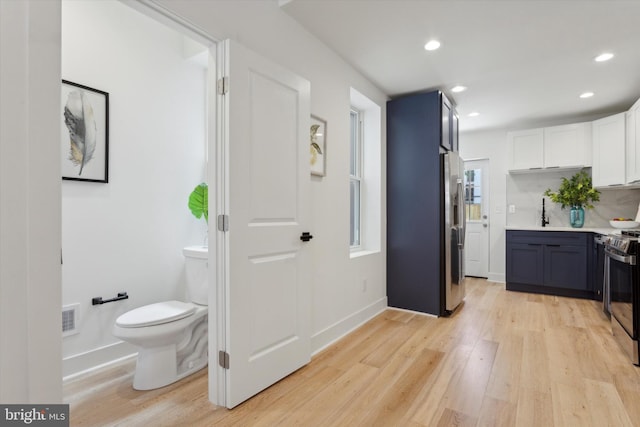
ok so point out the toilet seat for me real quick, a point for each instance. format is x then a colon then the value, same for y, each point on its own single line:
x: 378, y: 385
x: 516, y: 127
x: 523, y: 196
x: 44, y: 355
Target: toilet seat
x: 156, y: 314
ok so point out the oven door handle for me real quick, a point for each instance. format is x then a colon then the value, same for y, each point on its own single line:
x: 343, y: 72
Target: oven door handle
x: 630, y: 259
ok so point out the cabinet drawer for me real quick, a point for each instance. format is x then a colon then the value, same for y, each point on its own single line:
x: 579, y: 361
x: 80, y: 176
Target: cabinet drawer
x: 551, y: 238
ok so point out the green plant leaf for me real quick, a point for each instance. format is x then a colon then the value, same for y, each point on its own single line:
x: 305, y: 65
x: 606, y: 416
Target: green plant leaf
x: 576, y: 191
x: 199, y: 202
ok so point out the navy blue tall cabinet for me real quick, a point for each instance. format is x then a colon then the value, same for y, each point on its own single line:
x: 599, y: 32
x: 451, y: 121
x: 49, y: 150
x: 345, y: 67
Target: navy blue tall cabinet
x: 414, y: 202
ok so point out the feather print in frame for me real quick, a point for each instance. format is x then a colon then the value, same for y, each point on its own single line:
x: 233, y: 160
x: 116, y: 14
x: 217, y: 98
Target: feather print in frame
x: 84, y: 133
x: 318, y: 145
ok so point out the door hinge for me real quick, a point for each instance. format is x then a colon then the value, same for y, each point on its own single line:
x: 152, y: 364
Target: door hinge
x: 223, y: 359
x: 223, y: 222
x: 223, y: 85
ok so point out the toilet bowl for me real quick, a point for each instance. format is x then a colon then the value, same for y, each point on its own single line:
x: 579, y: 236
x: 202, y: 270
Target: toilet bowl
x: 172, y: 336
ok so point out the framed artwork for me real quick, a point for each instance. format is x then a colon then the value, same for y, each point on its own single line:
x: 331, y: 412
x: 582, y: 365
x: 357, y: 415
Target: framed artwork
x: 318, y: 146
x: 84, y: 133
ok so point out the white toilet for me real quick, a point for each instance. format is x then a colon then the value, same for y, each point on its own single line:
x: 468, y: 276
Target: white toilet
x: 172, y: 335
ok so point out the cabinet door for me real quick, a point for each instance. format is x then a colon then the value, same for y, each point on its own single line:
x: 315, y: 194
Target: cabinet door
x: 525, y: 263
x: 524, y: 149
x: 565, y: 267
x: 609, y: 151
x: 454, y: 131
x: 633, y: 144
x: 445, y: 141
x: 567, y: 145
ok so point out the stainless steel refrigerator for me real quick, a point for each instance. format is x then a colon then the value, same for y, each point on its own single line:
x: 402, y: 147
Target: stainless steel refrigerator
x: 454, y: 230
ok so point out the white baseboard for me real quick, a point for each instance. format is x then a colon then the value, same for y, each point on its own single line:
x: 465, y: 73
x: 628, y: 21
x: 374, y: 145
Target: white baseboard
x: 333, y: 333
x: 83, y: 363
x: 80, y: 364
x: 497, y: 277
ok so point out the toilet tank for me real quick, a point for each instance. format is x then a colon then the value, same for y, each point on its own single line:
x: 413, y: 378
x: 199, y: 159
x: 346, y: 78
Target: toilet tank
x: 196, y: 267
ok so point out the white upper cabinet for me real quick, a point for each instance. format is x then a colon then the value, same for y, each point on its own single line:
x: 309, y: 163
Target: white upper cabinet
x: 609, y: 151
x: 566, y: 146
x: 633, y: 144
x: 524, y: 149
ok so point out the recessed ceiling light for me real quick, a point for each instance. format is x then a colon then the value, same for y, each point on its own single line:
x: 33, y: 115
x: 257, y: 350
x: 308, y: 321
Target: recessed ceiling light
x: 473, y: 114
x: 587, y: 95
x: 603, y: 57
x: 432, y: 45
x: 457, y: 89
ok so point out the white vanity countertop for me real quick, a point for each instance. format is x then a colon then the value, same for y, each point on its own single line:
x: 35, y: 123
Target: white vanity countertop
x: 598, y: 230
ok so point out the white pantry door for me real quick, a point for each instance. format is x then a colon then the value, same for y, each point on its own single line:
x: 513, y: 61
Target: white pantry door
x: 265, y: 127
x: 476, y: 203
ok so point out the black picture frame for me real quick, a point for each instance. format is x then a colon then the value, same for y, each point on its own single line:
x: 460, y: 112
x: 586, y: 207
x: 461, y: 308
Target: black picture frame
x: 84, y: 133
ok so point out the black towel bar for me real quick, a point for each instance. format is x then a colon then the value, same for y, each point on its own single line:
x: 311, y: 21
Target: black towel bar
x: 99, y: 300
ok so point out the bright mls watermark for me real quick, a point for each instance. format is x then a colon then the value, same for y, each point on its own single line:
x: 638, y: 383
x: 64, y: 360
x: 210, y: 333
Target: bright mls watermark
x: 34, y: 415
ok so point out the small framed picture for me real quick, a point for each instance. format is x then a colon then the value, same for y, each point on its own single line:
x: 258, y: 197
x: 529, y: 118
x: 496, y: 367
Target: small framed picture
x: 318, y: 146
x: 84, y: 133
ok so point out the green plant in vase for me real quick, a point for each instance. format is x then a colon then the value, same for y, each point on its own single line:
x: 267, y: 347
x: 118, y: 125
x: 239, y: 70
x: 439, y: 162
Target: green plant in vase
x: 576, y: 193
x: 199, y: 204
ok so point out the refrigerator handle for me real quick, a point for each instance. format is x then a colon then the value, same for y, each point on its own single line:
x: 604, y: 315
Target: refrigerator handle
x: 461, y: 209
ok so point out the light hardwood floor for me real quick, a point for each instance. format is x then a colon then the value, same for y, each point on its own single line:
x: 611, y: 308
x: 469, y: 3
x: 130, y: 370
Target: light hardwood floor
x: 503, y: 359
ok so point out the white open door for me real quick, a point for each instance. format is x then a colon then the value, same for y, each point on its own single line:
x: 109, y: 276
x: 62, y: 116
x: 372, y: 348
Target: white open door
x: 265, y: 132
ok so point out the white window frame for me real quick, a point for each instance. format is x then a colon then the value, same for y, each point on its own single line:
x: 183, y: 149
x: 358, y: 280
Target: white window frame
x: 371, y: 175
x: 356, y: 218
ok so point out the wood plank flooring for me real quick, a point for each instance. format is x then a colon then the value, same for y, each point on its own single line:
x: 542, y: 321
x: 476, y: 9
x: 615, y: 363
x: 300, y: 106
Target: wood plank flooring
x: 503, y: 359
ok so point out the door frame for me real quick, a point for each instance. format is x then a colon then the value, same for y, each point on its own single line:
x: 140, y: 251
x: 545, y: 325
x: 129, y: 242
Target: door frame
x: 486, y: 202
x: 216, y: 169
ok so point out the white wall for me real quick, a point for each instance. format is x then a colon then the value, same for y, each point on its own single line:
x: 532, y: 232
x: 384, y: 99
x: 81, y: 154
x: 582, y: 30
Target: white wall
x: 29, y: 202
x: 491, y: 145
x: 339, y: 301
x: 128, y: 235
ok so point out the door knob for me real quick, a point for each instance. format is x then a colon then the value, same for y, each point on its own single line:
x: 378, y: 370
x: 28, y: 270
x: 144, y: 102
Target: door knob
x: 306, y: 236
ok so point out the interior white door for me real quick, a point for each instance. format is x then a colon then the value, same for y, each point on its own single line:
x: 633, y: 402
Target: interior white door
x: 265, y: 129
x: 476, y: 185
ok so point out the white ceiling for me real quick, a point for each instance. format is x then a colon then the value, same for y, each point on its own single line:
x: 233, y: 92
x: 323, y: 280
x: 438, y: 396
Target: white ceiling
x: 525, y: 63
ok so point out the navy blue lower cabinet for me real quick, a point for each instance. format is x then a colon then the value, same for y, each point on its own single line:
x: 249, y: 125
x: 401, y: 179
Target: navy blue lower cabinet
x: 565, y: 266
x: 550, y: 262
x: 525, y: 262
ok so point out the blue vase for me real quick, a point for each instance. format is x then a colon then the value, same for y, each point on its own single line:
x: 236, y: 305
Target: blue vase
x: 576, y: 216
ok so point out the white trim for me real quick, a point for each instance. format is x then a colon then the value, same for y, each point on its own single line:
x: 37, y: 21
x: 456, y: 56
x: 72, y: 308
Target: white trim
x: 169, y: 18
x: 497, y: 277
x: 92, y: 360
x: 357, y: 253
x: 340, y: 329
x: 412, y: 312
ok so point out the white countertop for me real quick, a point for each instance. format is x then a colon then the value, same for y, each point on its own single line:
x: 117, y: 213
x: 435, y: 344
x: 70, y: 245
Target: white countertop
x: 599, y: 230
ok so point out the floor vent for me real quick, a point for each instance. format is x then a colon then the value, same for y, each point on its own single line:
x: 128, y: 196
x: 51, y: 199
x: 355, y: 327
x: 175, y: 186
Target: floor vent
x: 70, y: 319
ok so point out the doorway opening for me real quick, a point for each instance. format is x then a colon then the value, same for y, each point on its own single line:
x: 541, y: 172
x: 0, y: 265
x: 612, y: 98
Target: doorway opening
x: 127, y: 235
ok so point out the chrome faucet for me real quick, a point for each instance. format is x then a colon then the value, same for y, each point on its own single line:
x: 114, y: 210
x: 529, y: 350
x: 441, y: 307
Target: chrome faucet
x: 545, y: 219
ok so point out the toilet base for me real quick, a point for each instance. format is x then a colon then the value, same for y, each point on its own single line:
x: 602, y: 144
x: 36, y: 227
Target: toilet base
x: 157, y: 368
x: 163, y: 365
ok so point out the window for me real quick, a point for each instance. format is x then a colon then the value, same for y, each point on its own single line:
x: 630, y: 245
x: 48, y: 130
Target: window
x: 473, y: 194
x: 355, y: 179
x: 365, y: 176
